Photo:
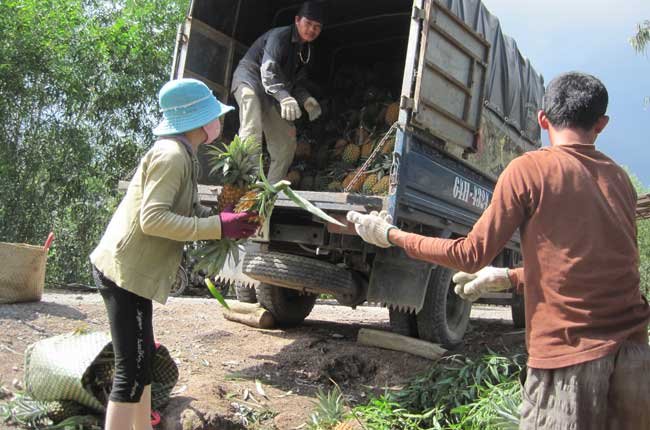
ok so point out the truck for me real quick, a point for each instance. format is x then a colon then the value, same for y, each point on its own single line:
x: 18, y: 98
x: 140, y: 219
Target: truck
x: 468, y: 101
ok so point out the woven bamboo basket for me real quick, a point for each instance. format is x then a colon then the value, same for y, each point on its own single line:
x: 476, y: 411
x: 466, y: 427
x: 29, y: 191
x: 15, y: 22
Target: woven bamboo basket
x: 22, y: 272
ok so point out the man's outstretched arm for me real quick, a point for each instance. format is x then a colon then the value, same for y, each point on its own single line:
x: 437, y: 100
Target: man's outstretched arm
x: 508, y: 210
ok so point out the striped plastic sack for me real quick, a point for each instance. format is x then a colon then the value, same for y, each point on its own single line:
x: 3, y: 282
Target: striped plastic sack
x: 80, y: 367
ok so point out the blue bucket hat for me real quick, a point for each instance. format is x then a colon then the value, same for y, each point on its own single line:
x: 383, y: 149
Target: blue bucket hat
x: 187, y: 104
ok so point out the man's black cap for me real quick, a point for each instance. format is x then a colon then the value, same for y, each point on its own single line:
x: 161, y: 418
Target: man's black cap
x: 313, y: 10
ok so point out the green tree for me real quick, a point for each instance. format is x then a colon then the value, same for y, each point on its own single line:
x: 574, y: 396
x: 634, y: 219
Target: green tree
x: 643, y: 237
x: 642, y: 37
x: 78, y: 84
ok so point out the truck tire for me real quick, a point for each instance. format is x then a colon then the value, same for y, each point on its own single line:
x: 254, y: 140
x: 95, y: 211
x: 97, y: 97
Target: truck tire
x: 445, y: 316
x: 245, y: 294
x: 404, y: 323
x: 180, y: 283
x: 518, y: 311
x: 298, y: 272
x: 289, y: 307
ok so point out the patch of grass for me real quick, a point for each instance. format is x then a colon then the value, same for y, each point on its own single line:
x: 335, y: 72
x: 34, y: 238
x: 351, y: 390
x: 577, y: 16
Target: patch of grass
x: 457, y: 393
x: 383, y: 413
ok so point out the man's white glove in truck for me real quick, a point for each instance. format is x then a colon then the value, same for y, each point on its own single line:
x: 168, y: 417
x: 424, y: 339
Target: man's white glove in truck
x: 373, y: 228
x: 471, y: 286
x: 289, y: 109
x: 313, y: 108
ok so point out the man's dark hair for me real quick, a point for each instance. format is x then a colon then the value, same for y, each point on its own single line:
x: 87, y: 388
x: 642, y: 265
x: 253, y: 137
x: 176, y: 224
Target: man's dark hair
x: 575, y: 100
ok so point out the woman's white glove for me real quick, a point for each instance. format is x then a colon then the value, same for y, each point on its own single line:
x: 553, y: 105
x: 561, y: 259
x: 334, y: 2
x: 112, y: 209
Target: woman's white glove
x: 313, y: 108
x: 289, y: 109
x: 374, y: 227
x: 471, y: 286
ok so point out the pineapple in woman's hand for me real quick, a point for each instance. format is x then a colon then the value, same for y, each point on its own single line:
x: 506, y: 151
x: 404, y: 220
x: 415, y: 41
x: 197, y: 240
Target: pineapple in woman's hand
x: 237, y: 163
x: 258, y: 204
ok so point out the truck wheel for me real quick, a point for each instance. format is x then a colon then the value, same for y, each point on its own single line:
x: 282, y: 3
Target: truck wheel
x: 404, y: 323
x: 445, y: 316
x: 180, y: 283
x: 245, y: 294
x: 298, y: 272
x: 518, y: 311
x: 289, y: 307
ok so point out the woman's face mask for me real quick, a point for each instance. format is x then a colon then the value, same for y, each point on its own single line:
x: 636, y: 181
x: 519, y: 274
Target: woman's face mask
x: 212, y: 129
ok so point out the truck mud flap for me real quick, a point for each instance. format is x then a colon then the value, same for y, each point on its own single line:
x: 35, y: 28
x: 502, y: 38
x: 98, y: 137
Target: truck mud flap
x: 399, y: 281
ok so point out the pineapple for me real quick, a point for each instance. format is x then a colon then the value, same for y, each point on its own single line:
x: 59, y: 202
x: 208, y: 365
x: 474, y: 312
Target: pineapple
x: 369, y: 183
x: 351, y: 153
x: 260, y: 198
x: 335, y: 186
x: 303, y: 150
x: 382, y: 186
x: 357, y: 185
x: 294, y: 177
x: 308, y: 182
x: 392, y: 113
x: 238, y: 165
x: 340, y: 146
x: 361, y: 135
x: 348, y: 425
x: 389, y: 145
x: 366, y: 149
x: 60, y: 410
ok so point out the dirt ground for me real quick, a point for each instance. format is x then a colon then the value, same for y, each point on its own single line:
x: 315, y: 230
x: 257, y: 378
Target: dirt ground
x: 220, y: 361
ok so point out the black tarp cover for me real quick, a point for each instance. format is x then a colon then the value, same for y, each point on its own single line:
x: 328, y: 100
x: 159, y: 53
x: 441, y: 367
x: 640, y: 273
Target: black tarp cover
x: 514, y: 90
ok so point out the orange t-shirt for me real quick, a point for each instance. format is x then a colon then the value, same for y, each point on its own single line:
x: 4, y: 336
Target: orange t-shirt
x: 575, y: 209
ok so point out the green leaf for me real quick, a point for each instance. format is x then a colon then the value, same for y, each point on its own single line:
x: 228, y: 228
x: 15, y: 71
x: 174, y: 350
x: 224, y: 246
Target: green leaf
x: 265, y: 181
x: 308, y: 206
x: 217, y: 295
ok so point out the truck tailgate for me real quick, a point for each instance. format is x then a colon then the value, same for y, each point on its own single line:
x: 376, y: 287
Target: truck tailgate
x: 326, y: 201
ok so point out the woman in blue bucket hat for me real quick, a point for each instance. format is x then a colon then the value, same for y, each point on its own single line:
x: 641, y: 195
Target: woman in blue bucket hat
x: 138, y: 255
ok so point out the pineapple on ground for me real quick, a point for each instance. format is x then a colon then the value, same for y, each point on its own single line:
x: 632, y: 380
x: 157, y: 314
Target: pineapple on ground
x: 59, y: 410
x: 238, y: 164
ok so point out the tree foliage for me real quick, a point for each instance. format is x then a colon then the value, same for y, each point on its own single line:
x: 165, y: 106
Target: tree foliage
x: 642, y: 37
x: 643, y: 237
x: 78, y: 82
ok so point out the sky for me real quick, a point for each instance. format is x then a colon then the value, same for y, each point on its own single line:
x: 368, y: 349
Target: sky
x: 591, y: 36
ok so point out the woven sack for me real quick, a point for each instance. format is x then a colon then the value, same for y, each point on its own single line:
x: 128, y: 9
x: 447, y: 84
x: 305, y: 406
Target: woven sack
x: 68, y: 366
x: 22, y: 277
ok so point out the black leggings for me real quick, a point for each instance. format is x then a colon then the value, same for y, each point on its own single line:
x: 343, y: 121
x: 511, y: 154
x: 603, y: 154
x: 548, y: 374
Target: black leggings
x: 130, y: 317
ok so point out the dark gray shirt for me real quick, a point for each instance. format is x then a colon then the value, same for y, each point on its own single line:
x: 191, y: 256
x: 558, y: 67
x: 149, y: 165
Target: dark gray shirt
x: 275, y: 65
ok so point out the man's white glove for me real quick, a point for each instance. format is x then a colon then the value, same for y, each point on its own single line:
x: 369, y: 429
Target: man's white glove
x: 471, y: 286
x: 374, y: 227
x: 289, y: 109
x: 313, y: 108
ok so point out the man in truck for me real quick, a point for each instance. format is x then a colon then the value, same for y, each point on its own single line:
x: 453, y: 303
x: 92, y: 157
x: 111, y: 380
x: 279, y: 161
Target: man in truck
x: 268, y: 85
x: 586, y: 319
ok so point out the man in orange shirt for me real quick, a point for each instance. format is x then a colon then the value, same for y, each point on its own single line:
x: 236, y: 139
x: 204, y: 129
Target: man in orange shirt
x: 586, y: 319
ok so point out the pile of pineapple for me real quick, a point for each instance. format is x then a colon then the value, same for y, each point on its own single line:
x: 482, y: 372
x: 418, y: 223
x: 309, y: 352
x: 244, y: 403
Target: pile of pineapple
x: 356, y: 116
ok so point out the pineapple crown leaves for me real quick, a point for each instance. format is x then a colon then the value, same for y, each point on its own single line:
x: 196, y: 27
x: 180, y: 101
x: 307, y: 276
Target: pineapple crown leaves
x: 236, y: 161
x: 269, y: 193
